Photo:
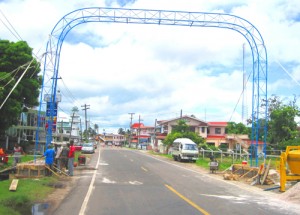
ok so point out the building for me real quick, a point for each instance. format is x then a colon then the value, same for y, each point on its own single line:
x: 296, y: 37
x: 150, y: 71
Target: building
x: 25, y: 132
x: 214, y: 133
x: 111, y: 139
x: 141, y: 134
x: 195, y: 125
x: 68, y: 129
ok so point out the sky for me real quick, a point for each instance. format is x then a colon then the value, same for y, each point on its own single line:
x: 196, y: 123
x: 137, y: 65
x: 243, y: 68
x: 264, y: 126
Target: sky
x: 158, y: 72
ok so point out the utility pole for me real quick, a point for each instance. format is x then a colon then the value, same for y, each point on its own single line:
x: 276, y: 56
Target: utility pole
x: 86, y: 107
x: 80, y: 130
x: 131, y: 116
x: 154, y: 138
x: 139, y: 130
x: 71, y: 125
x: 62, y: 131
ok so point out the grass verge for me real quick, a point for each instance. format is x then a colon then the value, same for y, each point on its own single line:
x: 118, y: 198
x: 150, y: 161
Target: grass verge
x: 29, y: 191
x: 226, y: 161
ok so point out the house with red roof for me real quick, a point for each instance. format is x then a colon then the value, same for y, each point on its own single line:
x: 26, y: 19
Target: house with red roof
x: 141, y: 134
x: 195, y: 125
x: 214, y: 133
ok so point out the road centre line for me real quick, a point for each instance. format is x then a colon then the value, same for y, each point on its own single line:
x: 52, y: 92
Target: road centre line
x: 187, y: 200
x: 88, y: 194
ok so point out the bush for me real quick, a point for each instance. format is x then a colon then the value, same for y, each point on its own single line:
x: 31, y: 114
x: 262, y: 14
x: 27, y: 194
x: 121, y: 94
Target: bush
x: 21, y: 204
x: 223, y: 147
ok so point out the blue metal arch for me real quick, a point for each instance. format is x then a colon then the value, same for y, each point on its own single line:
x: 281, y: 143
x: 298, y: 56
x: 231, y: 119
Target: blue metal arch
x: 160, y: 17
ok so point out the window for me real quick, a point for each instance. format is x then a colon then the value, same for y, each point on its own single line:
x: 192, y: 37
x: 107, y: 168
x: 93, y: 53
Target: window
x: 192, y: 129
x: 217, y: 130
x: 202, y: 129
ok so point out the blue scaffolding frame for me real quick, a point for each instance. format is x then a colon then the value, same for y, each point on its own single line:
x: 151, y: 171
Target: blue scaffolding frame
x: 160, y: 17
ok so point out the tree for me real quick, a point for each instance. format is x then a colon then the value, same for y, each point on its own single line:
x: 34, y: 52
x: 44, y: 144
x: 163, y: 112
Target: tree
x: 14, y: 59
x: 282, y: 128
x: 181, y: 130
x: 181, y: 127
x: 96, y: 127
x: 237, y: 128
x: 282, y: 125
x: 121, y: 131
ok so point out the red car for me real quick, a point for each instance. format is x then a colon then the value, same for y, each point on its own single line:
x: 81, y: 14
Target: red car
x: 77, y: 146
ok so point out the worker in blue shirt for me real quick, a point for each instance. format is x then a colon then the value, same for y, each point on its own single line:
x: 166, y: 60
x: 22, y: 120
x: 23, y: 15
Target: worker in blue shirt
x: 49, y: 155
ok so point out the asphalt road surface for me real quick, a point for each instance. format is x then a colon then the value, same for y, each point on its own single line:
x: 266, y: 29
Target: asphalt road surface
x: 131, y: 182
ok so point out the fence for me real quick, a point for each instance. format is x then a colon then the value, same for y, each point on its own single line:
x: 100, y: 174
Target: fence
x: 235, y: 156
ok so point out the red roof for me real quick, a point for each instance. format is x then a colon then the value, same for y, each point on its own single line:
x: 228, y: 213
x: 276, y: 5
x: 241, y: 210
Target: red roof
x: 217, y: 123
x: 215, y: 136
x: 137, y: 125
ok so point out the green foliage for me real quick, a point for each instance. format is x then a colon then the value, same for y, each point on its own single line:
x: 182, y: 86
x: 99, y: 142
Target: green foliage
x: 28, y: 192
x: 13, y: 59
x: 282, y: 125
x: 292, y: 142
x: 282, y: 129
x: 181, y: 130
x: 223, y: 147
x: 203, y: 146
x: 171, y: 137
x: 121, y: 131
x: 237, y: 128
x: 181, y: 127
x: 20, y: 203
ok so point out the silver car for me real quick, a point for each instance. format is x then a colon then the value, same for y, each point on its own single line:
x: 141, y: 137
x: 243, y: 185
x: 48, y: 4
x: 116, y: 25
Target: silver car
x: 88, y: 148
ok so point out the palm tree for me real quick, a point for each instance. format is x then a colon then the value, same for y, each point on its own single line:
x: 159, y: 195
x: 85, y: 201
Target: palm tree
x: 121, y: 131
x: 96, y: 127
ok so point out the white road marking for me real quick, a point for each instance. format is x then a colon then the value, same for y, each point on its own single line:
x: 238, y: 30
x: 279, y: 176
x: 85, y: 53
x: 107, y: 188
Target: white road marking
x: 107, y: 181
x: 135, y: 183
x: 88, y: 194
x: 143, y: 168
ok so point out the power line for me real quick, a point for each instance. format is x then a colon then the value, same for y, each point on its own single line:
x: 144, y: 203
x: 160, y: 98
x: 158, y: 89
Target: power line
x: 16, y: 84
x: 294, y: 79
x: 71, y: 96
x: 239, y: 98
x: 15, y: 33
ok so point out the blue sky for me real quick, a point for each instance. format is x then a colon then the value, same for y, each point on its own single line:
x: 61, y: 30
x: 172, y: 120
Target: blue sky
x: 157, y: 71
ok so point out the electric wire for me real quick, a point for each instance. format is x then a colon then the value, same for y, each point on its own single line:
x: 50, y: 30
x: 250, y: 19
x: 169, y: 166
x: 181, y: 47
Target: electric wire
x: 13, y: 30
x: 243, y: 91
x: 70, y: 95
x: 16, y: 84
x: 285, y: 70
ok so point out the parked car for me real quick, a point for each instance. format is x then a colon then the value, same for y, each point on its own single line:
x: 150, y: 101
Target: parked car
x: 78, y: 146
x: 88, y: 148
x: 184, y: 149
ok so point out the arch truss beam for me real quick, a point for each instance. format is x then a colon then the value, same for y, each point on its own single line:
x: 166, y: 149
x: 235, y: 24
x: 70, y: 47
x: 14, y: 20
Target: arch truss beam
x: 161, y: 17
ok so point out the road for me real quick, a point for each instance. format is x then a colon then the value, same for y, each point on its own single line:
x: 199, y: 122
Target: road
x: 129, y: 182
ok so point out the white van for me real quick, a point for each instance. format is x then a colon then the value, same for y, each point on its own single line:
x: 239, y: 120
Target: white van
x: 184, y: 149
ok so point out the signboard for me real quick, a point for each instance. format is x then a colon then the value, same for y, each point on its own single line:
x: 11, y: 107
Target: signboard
x: 54, y: 115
